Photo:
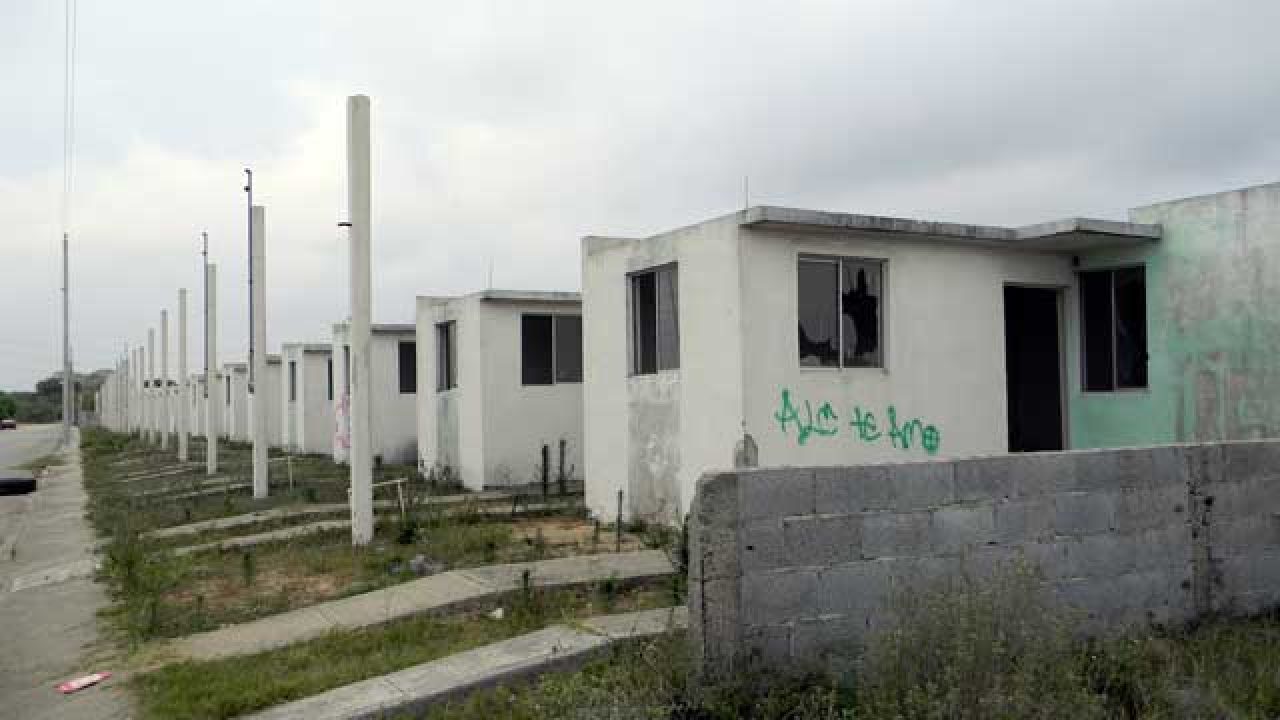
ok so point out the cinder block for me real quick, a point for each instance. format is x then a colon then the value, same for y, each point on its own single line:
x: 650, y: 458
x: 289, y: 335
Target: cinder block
x: 918, y: 486
x: 762, y: 546
x: 984, y: 562
x: 1145, y: 508
x: 1113, y: 469
x: 896, y: 534
x: 775, y: 493
x: 715, y: 626
x: 822, y: 539
x: 987, y: 478
x: 1204, y: 464
x: 713, y: 527
x: 1049, y: 558
x: 766, y: 649
x: 841, y: 490
x: 1100, y: 556
x: 1251, y: 533
x: 1251, y: 459
x: 957, y: 527
x: 1022, y: 520
x: 778, y: 597
x: 1084, y: 513
x: 1242, y: 497
x: 1162, y: 547
x: 827, y: 644
x: 858, y: 589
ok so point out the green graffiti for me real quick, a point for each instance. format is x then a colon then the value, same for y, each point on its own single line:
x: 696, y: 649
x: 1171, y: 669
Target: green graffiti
x: 902, y: 436
x: 824, y: 425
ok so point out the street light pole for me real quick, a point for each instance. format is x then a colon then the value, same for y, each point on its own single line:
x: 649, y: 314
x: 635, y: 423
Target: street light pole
x: 68, y: 387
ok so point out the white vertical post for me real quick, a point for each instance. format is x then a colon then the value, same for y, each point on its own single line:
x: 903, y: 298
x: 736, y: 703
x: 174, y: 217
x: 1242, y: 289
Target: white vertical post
x: 259, y: 401
x: 211, y: 404
x: 151, y: 384
x: 68, y: 380
x: 165, y: 406
x: 184, y: 387
x: 358, y: 215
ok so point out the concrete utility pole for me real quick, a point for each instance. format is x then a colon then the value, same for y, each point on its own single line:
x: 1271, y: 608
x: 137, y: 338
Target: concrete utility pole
x: 152, y: 425
x: 166, y: 408
x: 358, y: 216
x: 211, y: 408
x: 68, y: 382
x: 258, y: 359
x: 184, y: 384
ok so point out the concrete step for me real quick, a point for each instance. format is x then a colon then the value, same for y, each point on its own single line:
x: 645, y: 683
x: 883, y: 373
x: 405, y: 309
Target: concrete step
x: 445, y: 592
x: 559, y: 647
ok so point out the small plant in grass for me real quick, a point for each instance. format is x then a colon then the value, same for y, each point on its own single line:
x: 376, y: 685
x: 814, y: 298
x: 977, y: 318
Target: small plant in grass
x: 248, y: 569
x: 607, y: 591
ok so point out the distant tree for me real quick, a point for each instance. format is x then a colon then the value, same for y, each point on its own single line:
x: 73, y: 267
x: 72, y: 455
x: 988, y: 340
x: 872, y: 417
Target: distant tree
x: 8, y: 408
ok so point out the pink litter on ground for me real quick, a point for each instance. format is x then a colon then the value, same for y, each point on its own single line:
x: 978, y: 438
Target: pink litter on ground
x: 81, y: 683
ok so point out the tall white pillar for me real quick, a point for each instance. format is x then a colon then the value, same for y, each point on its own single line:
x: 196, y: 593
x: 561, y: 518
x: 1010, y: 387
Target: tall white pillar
x: 258, y: 388
x: 184, y: 386
x: 151, y: 385
x: 358, y: 215
x: 166, y: 408
x: 212, y: 404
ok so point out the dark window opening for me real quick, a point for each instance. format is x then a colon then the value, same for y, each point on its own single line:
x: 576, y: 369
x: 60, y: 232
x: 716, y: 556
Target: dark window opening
x: 840, y: 309
x: 536, y: 352
x: 446, y: 357
x: 329, y: 376
x: 346, y: 370
x: 655, y: 327
x: 408, y: 367
x: 1113, y: 320
x: 550, y: 349
x: 568, y: 348
x: 293, y: 381
x: 228, y: 390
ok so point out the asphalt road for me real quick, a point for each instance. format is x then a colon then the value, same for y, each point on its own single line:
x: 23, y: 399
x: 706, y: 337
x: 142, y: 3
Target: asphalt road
x: 27, y: 443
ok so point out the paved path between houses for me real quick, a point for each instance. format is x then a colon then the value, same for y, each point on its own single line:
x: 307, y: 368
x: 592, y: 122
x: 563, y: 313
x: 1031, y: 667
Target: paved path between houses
x: 437, y: 593
x: 559, y: 647
x: 296, y: 531
x: 285, y: 513
x: 49, y: 604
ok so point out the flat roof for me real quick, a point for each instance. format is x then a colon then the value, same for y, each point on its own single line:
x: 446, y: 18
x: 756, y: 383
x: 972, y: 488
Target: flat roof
x: 381, y: 328
x: 529, y: 296
x: 308, y: 347
x: 1066, y: 235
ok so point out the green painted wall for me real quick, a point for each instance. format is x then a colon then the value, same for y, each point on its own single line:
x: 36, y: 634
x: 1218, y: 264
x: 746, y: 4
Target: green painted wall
x: 1213, y: 325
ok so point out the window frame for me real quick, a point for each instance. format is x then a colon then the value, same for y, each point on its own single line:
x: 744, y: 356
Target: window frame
x: 446, y: 356
x: 1116, y: 388
x: 633, y: 347
x: 555, y: 352
x: 882, y: 315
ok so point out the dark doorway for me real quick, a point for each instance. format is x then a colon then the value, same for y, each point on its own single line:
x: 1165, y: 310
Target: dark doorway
x: 1033, y: 368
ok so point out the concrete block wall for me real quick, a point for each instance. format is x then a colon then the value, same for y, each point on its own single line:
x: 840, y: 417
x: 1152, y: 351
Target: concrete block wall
x: 791, y: 565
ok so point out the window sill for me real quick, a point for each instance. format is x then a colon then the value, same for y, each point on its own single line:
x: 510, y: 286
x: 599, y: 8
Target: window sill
x: 822, y: 369
x: 1115, y: 393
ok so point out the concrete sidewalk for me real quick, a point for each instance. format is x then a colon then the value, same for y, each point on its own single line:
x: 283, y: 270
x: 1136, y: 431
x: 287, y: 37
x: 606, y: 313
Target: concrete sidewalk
x: 559, y: 647
x: 48, y: 605
x: 438, y: 593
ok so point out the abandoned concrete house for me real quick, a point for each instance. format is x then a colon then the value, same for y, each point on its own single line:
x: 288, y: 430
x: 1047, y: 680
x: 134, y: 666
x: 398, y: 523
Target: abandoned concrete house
x: 235, y: 416
x: 393, y: 356
x: 306, y: 397
x: 268, y: 388
x: 504, y: 400
x: 776, y: 336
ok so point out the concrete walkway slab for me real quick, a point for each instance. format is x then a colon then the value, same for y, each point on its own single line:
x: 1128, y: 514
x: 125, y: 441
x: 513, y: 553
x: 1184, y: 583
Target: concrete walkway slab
x: 49, y: 625
x: 558, y: 647
x: 444, y: 592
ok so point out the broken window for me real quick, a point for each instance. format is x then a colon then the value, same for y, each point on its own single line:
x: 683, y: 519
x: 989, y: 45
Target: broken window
x: 293, y: 381
x: 446, y: 357
x: 329, y: 376
x: 1113, y: 320
x: 550, y: 349
x: 840, y: 309
x: 655, y: 328
x: 408, y: 367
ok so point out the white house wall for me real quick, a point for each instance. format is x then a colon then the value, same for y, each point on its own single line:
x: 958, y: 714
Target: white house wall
x: 268, y: 388
x: 308, y: 421
x: 449, y: 421
x: 517, y: 419
x: 943, y: 342
x: 395, y: 435
x: 237, y: 413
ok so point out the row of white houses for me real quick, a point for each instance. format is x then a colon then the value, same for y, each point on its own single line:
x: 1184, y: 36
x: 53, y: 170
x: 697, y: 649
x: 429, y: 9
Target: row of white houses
x: 777, y: 336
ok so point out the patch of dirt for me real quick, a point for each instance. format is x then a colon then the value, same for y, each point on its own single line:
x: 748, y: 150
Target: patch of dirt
x: 565, y: 533
x: 223, y: 592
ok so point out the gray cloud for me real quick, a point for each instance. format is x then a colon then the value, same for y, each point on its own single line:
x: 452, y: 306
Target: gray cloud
x: 504, y: 131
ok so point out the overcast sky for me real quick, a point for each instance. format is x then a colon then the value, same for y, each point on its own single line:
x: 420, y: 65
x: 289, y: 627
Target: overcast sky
x: 505, y: 131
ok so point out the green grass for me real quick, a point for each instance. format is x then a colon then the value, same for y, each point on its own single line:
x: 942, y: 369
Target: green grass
x: 229, y: 687
x: 991, y: 651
